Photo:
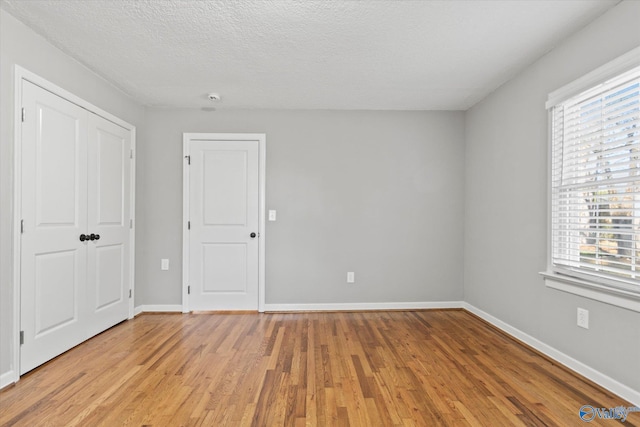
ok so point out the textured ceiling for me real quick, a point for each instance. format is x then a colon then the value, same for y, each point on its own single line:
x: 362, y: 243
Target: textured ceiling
x: 386, y: 54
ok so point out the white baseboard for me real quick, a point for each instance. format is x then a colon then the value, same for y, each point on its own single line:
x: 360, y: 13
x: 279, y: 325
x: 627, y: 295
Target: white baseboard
x: 598, y: 377
x: 162, y: 308
x: 362, y: 306
x: 7, y: 379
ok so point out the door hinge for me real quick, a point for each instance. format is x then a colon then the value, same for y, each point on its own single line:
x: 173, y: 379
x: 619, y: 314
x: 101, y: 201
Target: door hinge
x: 22, y: 226
x: 189, y: 290
x: 129, y: 293
x: 21, y: 337
x: 188, y: 159
x: 23, y: 113
x: 188, y: 225
x: 131, y: 154
x: 131, y: 223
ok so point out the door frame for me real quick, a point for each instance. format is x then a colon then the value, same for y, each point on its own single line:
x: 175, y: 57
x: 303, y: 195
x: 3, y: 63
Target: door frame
x: 21, y: 74
x: 187, y: 138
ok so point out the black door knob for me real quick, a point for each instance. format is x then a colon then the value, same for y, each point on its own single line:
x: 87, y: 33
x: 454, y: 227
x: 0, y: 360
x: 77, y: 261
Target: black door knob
x: 94, y: 237
x: 83, y: 237
x: 97, y: 236
x: 252, y: 235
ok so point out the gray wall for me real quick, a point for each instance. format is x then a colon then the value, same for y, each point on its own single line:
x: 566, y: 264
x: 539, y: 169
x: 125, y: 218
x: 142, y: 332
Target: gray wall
x: 506, y: 206
x: 20, y: 45
x: 378, y: 193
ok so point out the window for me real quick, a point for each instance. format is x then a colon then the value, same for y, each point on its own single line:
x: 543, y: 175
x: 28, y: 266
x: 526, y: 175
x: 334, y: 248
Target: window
x: 595, y: 183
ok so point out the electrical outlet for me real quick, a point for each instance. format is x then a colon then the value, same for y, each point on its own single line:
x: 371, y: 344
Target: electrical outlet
x: 351, y: 277
x: 164, y: 264
x: 272, y: 215
x: 583, y: 318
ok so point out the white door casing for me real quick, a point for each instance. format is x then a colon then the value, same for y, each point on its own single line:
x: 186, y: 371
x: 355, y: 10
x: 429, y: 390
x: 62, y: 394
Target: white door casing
x: 224, y: 227
x: 74, y: 177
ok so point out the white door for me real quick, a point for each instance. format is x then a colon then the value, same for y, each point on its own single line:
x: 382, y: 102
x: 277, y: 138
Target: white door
x: 108, y: 219
x: 74, y: 183
x: 54, y: 198
x: 224, y: 225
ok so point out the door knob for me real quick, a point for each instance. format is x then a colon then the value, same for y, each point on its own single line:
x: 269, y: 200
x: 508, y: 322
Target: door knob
x: 83, y: 237
x: 94, y: 237
x: 252, y: 235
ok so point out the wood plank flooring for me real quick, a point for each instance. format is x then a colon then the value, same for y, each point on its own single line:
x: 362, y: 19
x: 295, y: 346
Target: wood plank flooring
x: 414, y: 368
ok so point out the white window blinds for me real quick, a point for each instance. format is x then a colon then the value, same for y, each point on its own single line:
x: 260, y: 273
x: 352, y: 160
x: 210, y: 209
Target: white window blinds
x: 595, y: 183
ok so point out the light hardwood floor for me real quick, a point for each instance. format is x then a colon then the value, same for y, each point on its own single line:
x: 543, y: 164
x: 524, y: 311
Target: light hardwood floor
x: 414, y: 368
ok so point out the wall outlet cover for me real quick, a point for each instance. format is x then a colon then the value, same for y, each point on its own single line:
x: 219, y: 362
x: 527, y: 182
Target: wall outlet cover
x: 583, y: 318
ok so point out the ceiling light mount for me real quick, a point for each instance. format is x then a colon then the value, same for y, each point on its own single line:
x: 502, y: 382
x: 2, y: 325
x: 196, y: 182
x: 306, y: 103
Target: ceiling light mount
x: 213, y: 96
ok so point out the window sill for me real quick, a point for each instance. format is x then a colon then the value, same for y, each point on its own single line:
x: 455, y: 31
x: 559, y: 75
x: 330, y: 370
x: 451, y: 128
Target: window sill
x: 592, y: 290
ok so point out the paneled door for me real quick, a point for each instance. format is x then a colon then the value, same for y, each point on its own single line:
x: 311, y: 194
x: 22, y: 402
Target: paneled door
x: 224, y: 224
x: 108, y: 219
x: 75, y: 218
x: 54, y: 200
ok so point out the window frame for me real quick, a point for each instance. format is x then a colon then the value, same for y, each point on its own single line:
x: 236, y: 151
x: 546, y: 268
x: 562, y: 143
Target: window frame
x: 565, y: 279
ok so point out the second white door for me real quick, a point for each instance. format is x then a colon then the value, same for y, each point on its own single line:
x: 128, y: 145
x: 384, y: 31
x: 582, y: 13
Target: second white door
x: 224, y: 224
